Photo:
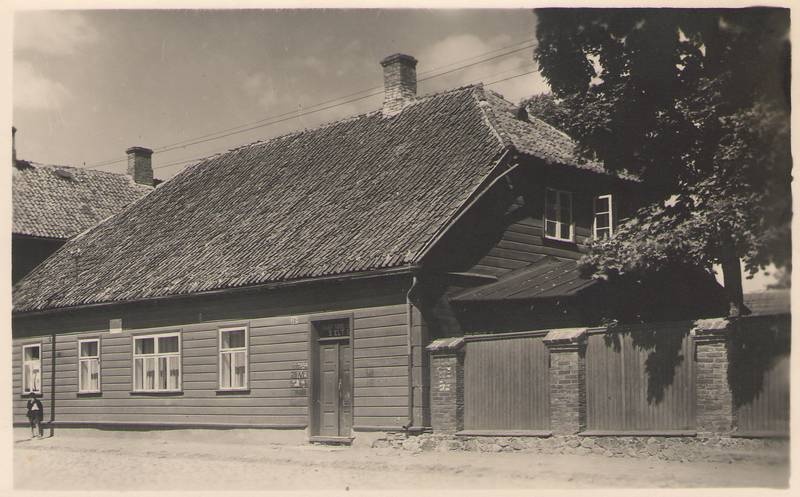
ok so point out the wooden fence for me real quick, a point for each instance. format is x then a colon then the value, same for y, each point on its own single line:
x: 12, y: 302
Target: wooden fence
x: 759, y: 377
x: 645, y: 379
x: 640, y: 379
x: 506, y: 384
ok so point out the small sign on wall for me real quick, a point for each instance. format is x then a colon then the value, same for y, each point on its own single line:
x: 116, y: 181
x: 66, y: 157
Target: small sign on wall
x: 339, y: 328
x: 298, y: 378
x: 445, y: 374
x: 115, y: 325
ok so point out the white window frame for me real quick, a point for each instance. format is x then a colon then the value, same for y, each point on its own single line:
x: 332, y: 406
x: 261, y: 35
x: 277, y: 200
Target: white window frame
x: 156, y: 354
x: 245, y: 349
x: 571, y: 225
x: 24, y: 369
x: 610, y: 213
x: 82, y: 359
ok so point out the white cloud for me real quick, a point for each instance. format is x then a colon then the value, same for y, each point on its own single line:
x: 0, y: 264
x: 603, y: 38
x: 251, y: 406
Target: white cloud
x: 459, y: 47
x: 52, y: 32
x: 34, y: 91
x: 261, y: 87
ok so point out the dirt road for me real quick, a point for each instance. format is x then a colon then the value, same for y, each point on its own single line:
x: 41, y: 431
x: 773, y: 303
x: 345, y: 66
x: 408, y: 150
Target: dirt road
x: 149, y: 461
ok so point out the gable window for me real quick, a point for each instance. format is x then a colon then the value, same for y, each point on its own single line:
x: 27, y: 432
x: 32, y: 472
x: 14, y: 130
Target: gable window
x: 89, y: 365
x: 558, y: 215
x: 157, y: 363
x: 233, y: 358
x: 32, y: 368
x: 603, y: 217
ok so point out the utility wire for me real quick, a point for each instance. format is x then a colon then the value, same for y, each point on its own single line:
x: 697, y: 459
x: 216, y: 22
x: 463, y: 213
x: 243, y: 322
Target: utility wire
x: 186, y: 161
x: 250, y: 126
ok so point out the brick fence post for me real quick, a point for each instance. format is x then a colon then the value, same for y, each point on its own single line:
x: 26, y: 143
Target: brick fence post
x: 447, y: 384
x: 714, y: 408
x: 567, y: 380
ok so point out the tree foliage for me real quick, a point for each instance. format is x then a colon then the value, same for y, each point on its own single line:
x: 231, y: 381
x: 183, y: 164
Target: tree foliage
x: 548, y: 108
x: 695, y: 102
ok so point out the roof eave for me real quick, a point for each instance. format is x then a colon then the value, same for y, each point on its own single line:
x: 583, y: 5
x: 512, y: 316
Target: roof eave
x: 395, y: 271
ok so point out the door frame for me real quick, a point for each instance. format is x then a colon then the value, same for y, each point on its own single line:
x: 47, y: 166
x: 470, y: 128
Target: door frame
x: 313, y: 367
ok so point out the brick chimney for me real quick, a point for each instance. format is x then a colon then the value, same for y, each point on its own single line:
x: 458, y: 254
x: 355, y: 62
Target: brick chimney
x: 399, y: 82
x: 13, y: 145
x: 140, y: 166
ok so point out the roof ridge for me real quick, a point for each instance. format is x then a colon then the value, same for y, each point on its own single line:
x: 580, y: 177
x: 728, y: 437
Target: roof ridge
x: 99, y: 172
x: 487, y: 111
x: 328, y: 124
x: 63, y: 166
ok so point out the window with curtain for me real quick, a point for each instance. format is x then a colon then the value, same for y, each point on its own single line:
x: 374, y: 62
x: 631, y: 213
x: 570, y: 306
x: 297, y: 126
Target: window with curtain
x: 32, y: 368
x: 233, y: 358
x: 89, y: 365
x: 603, y: 217
x: 558, y: 215
x: 157, y: 363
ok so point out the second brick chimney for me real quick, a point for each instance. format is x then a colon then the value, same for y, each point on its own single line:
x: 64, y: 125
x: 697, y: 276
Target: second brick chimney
x: 140, y: 166
x: 399, y: 82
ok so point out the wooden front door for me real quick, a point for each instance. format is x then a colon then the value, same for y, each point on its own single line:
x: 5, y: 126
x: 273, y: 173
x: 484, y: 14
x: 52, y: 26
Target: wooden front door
x: 334, y: 405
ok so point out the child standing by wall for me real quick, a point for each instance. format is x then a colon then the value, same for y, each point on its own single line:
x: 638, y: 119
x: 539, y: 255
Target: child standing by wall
x: 35, y: 415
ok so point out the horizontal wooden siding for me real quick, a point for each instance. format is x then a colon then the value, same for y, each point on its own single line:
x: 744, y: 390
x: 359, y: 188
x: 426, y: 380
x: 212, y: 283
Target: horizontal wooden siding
x: 278, y: 362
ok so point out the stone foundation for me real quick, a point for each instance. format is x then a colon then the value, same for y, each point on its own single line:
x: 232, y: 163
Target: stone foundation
x: 684, y: 449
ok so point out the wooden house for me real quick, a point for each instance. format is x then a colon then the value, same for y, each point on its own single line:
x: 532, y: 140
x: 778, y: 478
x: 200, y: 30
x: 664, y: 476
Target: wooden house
x: 294, y: 283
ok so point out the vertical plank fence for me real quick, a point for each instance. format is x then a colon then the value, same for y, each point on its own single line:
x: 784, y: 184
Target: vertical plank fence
x: 760, y: 370
x: 640, y: 378
x: 506, y: 384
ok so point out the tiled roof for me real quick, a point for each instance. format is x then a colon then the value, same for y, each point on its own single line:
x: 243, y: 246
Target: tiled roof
x: 61, y: 201
x: 537, y: 138
x: 768, y: 303
x: 548, y: 278
x: 360, y: 194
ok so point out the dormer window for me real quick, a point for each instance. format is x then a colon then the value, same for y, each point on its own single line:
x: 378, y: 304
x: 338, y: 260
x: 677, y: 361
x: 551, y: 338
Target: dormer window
x: 603, y: 217
x: 558, y: 215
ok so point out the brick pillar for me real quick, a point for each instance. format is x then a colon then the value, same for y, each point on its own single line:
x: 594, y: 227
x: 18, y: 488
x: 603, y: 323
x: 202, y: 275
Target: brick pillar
x: 567, y: 380
x: 714, y: 408
x: 447, y: 385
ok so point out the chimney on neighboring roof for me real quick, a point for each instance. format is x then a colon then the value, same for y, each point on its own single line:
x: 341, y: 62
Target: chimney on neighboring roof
x: 140, y: 165
x: 13, y: 145
x: 399, y: 82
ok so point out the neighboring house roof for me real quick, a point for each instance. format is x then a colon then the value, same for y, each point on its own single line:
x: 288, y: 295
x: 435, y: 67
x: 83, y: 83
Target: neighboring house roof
x: 768, y: 303
x: 548, y: 278
x: 60, y: 201
x: 361, y: 194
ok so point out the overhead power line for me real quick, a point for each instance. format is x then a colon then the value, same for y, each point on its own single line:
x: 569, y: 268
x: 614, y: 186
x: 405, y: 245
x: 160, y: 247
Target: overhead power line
x: 269, y: 120
x: 187, y: 161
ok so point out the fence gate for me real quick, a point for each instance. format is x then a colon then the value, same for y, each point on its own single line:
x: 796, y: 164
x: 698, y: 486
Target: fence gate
x: 506, y: 383
x: 641, y: 379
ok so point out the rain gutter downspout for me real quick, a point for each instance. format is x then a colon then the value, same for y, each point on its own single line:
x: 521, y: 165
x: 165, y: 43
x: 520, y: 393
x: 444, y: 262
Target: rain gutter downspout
x: 409, y: 304
x: 410, y: 426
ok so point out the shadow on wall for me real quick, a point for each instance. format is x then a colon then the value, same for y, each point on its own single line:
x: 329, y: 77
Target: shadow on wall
x: 753, y: 350
x: 664, y: 348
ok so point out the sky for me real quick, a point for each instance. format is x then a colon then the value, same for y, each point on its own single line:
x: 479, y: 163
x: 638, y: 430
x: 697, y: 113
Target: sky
x: 89, y: 84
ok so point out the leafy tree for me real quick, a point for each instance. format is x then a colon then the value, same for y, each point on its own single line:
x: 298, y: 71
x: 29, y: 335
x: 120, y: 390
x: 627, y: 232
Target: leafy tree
x: 547, y: 107
x: 696, y: 102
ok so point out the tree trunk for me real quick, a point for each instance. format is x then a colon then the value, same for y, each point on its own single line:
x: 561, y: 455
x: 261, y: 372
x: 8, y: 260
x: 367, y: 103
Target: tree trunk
x: 732, y: 274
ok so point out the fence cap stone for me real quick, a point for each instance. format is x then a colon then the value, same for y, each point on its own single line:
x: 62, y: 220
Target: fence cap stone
x: 710, y: 325
x: 445, y: 344
x: 565, y: 336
